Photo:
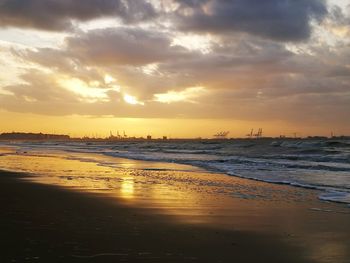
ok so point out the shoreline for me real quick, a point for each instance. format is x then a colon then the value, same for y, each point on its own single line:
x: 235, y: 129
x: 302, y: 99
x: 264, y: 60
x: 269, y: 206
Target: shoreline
x: 46, y: 223
x: 67, y: 207
x: 327, y: 192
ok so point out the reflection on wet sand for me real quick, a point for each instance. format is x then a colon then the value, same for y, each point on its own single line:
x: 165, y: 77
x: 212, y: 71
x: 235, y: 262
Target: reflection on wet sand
x: 153, y: 187
x: 191, y: 195
x: 175, y: 189
x: 127, y: 188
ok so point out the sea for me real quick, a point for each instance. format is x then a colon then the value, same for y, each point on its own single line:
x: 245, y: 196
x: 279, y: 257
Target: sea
x: 322, y: 164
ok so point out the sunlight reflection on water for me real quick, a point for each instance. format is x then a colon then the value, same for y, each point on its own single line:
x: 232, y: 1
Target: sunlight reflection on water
x: 189, y: 195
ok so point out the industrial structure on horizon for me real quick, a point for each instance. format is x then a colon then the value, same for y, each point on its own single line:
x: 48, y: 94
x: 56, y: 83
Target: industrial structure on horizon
x: 221, y: 135
x: 256, y: 135
x: 22, y: 136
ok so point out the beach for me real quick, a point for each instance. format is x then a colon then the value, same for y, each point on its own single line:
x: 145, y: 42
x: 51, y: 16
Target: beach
x: 209, y: 131
x: 69, y: 208
x: 42, y: 223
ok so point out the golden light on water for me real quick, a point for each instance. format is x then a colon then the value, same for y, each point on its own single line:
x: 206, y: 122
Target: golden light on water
x: 127, y: 188
x: 188, y: 196
x: 157, y: 70
x: 162, y: 71
x: 163, y: 189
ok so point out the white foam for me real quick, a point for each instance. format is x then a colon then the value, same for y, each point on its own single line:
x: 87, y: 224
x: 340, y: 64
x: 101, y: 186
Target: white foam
x: 321, y: 165
x: 336, y: 196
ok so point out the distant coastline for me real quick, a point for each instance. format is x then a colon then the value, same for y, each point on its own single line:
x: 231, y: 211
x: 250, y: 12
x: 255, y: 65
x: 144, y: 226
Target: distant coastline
x: 33, y: 136
x: 22, y: 136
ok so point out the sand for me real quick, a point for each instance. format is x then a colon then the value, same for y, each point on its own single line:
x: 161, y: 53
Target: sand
x: 72, y: 209
x: 43, y: 223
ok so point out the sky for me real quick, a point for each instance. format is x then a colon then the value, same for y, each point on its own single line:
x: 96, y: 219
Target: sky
x: 178, y: 68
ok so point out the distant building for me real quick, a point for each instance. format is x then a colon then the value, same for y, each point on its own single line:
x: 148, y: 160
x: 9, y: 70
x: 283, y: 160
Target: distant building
x: 221, y: 135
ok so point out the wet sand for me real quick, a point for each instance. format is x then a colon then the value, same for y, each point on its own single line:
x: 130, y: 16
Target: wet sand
x: 68, y: 207
x: 50, y: 224
x: 43, y: 223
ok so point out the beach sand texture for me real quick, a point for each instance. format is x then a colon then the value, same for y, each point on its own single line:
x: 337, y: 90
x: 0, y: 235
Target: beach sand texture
x: 71, y: 210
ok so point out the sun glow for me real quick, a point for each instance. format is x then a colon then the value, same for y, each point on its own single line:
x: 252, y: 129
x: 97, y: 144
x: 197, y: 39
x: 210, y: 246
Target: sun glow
x: 186, y: 95
x: 132, y: 100
x: 109, y: 79
x: 90, y: 92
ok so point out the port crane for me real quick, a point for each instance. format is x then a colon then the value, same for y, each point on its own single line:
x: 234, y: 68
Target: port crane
x: 221, y: 135
x: 259, y: 133
x: 256, y: 135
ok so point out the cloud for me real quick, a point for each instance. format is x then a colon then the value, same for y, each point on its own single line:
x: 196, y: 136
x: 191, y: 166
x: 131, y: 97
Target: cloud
x: 186, y: 95
x: 123, y: 46
x: 299, y: 101
x: 45, y: 93
x: 58, y: 14
x: 132, y: 56
x: 281, y: 20
x: 38, y: 86
x: 243, y: 76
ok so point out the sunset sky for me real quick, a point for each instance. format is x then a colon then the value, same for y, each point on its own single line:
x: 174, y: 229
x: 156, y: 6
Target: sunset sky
x: 181, y: 68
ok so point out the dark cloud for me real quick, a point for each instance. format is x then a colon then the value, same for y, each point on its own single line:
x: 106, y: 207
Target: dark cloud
x: 124, y: 46
x: 235, y: 63
x: 119, y: 52
x: 191, y: 3
x: 60, y: 61
x: 339, y: 71
x: 58, y: 14
x: 338, y: 15
x: 282, y: 20
x: 244, y: 77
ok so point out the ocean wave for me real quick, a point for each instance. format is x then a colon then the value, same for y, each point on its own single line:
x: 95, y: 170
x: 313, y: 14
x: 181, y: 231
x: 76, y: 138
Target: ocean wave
x: 322, y: 165
x: 336, y: 196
